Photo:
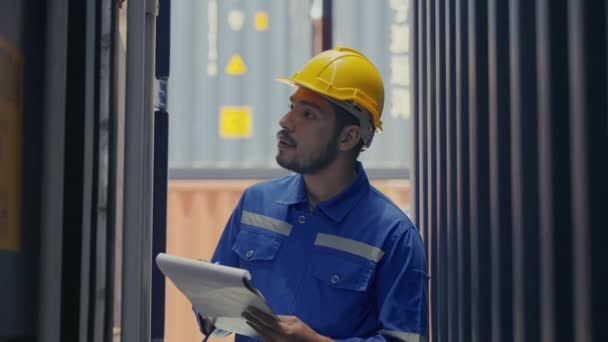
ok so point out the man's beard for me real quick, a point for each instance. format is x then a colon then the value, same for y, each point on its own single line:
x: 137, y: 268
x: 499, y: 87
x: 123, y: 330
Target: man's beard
x: 314, y: 162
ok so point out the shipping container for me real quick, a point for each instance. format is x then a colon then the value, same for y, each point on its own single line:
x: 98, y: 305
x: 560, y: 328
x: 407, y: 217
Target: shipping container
x: 380, y: 30
x: 223, y: 99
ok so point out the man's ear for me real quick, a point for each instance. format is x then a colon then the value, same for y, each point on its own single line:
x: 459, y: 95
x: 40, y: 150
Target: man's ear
x: 349, y: 137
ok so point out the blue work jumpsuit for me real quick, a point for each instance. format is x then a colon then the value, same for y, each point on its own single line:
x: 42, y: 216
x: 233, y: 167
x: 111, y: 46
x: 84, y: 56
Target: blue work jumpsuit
x: 352, y: 269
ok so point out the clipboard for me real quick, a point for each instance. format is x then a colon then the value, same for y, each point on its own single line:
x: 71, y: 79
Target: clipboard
x: 220, y: 293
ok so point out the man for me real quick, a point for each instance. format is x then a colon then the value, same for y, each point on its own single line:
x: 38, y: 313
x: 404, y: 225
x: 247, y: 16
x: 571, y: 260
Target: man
x: 334, y: 258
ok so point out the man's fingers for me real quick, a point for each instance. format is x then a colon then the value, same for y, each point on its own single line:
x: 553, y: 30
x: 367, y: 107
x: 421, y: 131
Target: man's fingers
x: 261, y: 317
x: 261, y: 314
x: 262, y: 332
x: 261, y: 320
x: 257, y: 330
x: 288, y: 319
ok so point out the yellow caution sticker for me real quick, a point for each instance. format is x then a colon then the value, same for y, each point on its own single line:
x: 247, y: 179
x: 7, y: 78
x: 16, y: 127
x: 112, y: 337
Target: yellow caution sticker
x: 11, y: 99
x: 236, y: 65
x: 261, y: 21
x: 236, y: 122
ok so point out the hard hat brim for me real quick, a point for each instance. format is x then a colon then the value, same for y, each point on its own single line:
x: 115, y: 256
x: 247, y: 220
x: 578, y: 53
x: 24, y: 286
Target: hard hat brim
x: 292, y: 82
x: 286, y: 80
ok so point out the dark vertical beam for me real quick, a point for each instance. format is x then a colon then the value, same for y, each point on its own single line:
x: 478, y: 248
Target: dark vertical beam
x: 430, y: 150
x: 499, y: 172
x: 545, y: 179
x: 554, y: 151
x: 159, y: 241
x: 580, y: 185
x: 440, y: 183
x: 53, y: 184
x: 327, y: 25
x: 516, y: 164
x: 524, y: 171
x: 163, y: 39
x: 421, y: 216
x: 74, y: 171
x: 113, y: 181
x: 589, y: 136
x: 161, y: 154
x: 478, y: 161
x: 91, y: 157
x: 494, y: 172
x: 556, y: 116
x: 596, y: 65
x: 551, y: 115
x: 33, y: 19
x: 422, y: 141
x: 462, y: 166
x: 415, y: 70
x: 451, y: 180
x: 101, y: 246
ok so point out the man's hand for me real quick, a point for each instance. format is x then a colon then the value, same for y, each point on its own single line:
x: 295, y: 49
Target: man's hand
x: 285, y: 328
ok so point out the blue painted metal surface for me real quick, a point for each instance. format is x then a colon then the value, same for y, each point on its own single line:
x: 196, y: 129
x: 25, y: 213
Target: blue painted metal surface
x: 159, y: 230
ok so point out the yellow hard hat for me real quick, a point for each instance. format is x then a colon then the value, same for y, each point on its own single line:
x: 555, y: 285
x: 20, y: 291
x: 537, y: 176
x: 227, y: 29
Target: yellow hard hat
x: 345, y: 75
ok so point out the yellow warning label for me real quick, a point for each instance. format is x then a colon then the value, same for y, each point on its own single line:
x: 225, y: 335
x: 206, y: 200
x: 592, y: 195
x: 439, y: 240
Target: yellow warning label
x: 236, y: 65
x: 235, y: 122
x: 11, y: 95
x: 261, y: 21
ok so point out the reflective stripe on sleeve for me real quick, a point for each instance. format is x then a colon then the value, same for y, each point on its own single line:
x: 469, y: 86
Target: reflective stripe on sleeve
x: 404, y: 336
x: 266, y: 222
x: 350, y: 246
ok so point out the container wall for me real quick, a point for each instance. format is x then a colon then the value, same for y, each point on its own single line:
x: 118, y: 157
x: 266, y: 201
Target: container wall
x: 509, y: 110
x: 380, y: 29
x: 224, y: 102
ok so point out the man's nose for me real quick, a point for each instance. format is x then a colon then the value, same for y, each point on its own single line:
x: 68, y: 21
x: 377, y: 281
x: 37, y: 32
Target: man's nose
x: 286, y: 121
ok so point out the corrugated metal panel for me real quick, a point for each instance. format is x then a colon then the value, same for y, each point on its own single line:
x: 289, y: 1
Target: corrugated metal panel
x: 524, y: 170
x: 510, y: 114
x: 478, y: 167
x: 380, y: 29
x: 588, y: 131
x: 205, y: 35
x: 499, y: 172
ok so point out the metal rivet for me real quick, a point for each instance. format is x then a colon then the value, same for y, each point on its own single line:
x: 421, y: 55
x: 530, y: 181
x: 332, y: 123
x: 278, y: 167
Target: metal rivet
x: 301, y: 219
x: 335, y: 279
x: 250, y: 254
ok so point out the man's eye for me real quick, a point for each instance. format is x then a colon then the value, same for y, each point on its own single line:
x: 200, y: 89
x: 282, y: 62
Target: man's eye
x: 308, y: 114
x: 291, y: 106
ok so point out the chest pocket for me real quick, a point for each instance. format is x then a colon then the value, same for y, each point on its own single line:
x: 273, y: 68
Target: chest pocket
x: 253, y: 247
x: 341, y: 287
x: 343, y: 271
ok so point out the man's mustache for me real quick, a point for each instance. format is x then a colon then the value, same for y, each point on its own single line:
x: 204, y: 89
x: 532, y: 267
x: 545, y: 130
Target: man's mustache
x: 283, y: 135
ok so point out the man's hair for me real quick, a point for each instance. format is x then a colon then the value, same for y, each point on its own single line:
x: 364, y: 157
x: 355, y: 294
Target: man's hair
x: 343, y: 119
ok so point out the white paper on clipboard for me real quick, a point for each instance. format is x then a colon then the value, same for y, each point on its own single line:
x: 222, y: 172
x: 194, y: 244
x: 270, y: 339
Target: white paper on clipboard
x: 216, y: 291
